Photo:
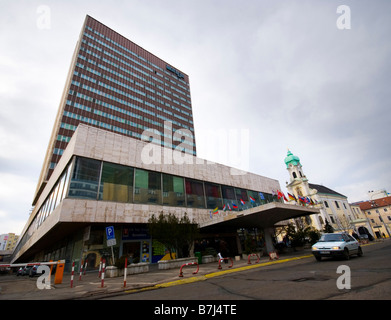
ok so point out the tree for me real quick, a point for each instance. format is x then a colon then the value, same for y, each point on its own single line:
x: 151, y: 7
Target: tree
x: 177, y: 235
x: 301, y: 235
x: 314, y: 235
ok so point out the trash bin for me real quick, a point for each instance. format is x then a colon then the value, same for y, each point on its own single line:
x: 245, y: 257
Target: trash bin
x: 199, y: 256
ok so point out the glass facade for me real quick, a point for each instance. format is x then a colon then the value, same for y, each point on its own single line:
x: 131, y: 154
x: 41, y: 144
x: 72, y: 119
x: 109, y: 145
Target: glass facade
x: 116, y: 183
x: 195, y: 196
x: 229, y: 197
x: 147, y: 187
x: 98, y: 180
x: 57, y: 194
x: 213, y: 196
x: 85, y: 179
x: 173, y: 191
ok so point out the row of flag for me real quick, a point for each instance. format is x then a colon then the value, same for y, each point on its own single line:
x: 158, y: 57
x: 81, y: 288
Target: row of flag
x: 279, y: 194
x: 234, y: 206
x: 300, y: 199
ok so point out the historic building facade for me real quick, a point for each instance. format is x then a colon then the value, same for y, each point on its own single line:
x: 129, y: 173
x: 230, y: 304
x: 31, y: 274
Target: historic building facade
x: 333, y: 206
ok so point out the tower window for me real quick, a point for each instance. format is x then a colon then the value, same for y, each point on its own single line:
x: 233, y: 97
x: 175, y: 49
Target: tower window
x: 294, y: 175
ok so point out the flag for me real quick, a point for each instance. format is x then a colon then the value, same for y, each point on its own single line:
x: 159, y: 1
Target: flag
x: 229, y: 208
x: 242, y: 202
x: 224, y: 208
x: 281, y: 195
x: 234, y: 205
x: 291, y: 197
x: 210, y: 214
x: 262, y: 196
x: 252, y: 199
x: 301, y: 199
x: 215, y: 210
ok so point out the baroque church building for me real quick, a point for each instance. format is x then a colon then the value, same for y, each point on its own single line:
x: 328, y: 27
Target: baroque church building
x: 333, y: 206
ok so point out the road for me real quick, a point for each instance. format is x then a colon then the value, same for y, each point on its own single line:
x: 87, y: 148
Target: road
x: 305, y: 279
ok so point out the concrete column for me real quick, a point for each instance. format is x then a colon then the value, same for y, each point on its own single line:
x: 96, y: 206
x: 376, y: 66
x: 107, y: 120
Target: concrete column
x: 238, y: 244
x: 268, y: 233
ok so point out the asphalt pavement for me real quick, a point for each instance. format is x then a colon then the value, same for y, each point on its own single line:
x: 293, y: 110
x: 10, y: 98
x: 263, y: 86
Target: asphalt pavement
x: 90, y: 285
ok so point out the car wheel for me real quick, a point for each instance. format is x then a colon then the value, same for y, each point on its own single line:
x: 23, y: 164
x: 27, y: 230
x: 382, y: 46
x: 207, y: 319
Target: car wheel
x: 359, y: 252
x: 346, y: 254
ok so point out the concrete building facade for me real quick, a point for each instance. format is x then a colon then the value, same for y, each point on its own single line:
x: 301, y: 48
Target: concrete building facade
x: 115, y: 85
x: 119, y: 153
x: 92, y: 187
x: 378, y: 211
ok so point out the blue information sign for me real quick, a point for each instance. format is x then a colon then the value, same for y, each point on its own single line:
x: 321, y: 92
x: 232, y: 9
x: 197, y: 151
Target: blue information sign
x: 110, y: 233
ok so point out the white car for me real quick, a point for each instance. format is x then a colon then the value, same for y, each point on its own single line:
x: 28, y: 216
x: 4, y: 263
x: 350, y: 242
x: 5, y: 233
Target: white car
x: 336, y: 245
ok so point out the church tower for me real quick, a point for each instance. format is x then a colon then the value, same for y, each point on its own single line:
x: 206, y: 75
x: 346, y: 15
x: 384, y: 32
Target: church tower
x: 298, y: 185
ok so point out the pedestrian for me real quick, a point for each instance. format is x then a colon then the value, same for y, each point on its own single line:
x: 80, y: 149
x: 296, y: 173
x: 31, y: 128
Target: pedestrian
x: 224, y: 250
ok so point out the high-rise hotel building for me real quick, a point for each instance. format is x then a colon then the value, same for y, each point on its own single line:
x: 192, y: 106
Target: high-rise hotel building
x: 118, y: 101
x: 116, y: 85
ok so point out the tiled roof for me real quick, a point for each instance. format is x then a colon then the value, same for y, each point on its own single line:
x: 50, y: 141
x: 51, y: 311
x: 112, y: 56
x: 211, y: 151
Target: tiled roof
x: 382, y: 202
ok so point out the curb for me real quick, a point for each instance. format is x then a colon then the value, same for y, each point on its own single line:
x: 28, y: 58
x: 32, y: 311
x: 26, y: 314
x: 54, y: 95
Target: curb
x: 211, y: 275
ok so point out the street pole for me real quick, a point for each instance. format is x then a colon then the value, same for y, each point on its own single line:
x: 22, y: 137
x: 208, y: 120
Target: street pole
x: 112, y: 253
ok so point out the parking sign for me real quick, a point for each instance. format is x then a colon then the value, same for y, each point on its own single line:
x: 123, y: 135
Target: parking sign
x: 110, y: 236
x: 110, y: 233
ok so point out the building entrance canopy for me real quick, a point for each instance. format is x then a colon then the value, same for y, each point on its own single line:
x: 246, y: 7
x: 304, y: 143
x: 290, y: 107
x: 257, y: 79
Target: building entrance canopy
x: 263, y: 216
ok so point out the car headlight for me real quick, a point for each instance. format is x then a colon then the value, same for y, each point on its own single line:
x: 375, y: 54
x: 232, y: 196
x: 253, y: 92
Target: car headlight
x: 314, y: 248
x: 335, y: 248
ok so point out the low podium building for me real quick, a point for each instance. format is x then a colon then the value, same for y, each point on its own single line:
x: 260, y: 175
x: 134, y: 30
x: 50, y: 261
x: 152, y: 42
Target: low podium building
x: 106, y: 179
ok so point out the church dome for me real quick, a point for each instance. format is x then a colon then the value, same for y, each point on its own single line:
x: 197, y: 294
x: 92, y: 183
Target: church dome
x: 291, y: 159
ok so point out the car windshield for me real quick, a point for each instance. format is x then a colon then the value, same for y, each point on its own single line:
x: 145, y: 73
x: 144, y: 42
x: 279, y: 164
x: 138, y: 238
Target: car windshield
x: 331, y: 237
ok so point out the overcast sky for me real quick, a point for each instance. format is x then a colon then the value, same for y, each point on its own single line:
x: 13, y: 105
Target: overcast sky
x: 265, y: 76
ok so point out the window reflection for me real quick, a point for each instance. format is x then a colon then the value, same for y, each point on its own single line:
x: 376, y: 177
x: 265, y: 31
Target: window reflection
x: 147, y: 187
x: 116, y: 183
x: 195, y: 194
x: 173, y: 191
x: 85, y: 179
x: 213, y: 196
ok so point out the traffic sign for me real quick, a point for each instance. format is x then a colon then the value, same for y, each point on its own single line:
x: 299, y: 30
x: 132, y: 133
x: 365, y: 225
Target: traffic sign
x: 110, y: 236
x: 111, y: 242
x: 110, y: 233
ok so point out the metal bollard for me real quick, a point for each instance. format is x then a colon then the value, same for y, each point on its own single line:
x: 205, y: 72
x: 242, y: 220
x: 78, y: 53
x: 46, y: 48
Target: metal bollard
x: 189, y: 264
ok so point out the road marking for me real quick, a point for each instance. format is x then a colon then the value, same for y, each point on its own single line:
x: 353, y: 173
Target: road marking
x: 214, y: 274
